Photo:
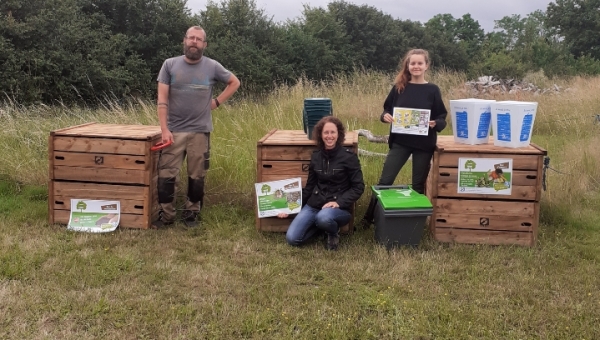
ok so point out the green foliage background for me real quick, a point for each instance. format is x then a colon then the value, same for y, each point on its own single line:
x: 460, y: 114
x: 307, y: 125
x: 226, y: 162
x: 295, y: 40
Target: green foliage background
x: 67, y: 51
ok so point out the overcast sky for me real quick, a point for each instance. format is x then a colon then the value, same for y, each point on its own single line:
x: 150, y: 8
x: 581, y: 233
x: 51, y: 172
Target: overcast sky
x: 484, y: 11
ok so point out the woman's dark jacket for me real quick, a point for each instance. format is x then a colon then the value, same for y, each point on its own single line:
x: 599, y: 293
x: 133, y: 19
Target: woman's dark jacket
x: 333, y: 175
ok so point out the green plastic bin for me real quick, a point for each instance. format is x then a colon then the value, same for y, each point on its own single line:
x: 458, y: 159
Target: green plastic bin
x: 400, y: 215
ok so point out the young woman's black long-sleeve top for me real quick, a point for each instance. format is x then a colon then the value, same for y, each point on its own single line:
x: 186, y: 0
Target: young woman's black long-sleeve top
x: 417, y: 96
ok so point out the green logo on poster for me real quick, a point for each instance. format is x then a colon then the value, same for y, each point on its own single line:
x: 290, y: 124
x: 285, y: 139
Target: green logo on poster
x: 470, y: 165
x: 265, y: 189
x: 81, y: 206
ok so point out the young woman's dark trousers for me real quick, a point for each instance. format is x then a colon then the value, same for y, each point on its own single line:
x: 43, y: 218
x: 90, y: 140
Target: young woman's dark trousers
x: 395, y: 160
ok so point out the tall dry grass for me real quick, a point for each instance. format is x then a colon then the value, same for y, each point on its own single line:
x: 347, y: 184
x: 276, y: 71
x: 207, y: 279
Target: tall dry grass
x: 564, y: 126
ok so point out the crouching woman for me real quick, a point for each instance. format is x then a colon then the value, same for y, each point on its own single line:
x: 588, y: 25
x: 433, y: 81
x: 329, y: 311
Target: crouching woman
x: 335, y: 183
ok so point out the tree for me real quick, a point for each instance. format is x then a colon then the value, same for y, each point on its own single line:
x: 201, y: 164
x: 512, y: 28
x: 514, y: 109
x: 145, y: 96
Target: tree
x: 441, y: 36
x: 85, y: 50
x: 245, y: 41
x: 578, y: 22
x: 154, y: 31
x: 336, y: 52
x: 378, y: 40
x: 465, y: 32
x: 79, y: 60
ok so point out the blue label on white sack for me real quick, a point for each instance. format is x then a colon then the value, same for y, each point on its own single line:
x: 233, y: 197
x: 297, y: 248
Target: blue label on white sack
x: 503, y: 120
x: 526, y: 128
x: 462, y: 125
x: 484, y: 124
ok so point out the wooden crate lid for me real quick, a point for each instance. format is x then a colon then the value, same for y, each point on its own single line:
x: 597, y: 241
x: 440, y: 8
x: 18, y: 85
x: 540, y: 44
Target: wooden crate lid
x: 447, y: 144
x: 299, y: 137
x: 117, y: 131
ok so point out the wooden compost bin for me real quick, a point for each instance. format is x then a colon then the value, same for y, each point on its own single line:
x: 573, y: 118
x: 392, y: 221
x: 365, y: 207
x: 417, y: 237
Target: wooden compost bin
x: 283, y: 154
x: 104, y: 162
x: 485, y: 218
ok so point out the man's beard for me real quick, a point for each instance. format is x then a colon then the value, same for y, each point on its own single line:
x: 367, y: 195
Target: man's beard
x: 187, y: 51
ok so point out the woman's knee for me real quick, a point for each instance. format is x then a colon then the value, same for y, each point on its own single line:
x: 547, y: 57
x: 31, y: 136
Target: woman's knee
x: 292, y: 240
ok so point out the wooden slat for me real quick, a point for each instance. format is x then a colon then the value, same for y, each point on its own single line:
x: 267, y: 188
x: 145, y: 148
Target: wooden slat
x: 522, y: 193
x: 291, y: 168
x: 152, y: 198
x: 286, y: 153
x: 273, y: 224
x: 118, y: 131
x: 447, y: 144
x: 100, y: 145
x: 265, y: 137
x: 50, y: 179
x: 542, y: 150
x: 484, y: 207
x: 483, y: 236
x: 520, y: 162
x: 519, y: 177
x: 99, y: 191
x: 112, y: 161
x: 136, y: 207
x: 536, y: 227
x: 126, y: 220
x: 299, y: 138
x: 101, y: 175
x: 64, y: 130
x: 294, y: 145
x: 270, y: 178
x: 484, y: 222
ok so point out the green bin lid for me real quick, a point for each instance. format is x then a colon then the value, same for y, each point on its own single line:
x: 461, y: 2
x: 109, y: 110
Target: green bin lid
x: 394, y: 199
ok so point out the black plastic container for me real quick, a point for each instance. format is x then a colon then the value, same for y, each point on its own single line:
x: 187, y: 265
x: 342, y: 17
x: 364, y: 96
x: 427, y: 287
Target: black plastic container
x: 400, y: 216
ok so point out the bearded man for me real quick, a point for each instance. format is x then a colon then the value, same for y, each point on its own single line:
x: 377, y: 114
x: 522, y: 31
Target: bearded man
x: 185, y: 104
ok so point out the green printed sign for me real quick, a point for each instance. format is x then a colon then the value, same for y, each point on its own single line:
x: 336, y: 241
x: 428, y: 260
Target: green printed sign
x: 486, y: 176
x: 94, y: 216
x: 276, y: 197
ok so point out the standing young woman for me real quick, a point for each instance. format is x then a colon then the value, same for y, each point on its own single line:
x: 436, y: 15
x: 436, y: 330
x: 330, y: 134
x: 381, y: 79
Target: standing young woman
x: 410, y: 90
x: 335, y: 182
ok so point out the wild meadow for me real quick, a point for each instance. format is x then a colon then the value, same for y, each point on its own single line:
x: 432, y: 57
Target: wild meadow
x: 226, y: 280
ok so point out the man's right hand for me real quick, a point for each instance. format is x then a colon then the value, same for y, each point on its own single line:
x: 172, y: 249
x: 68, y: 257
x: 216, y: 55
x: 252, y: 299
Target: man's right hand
x: 167, y: 136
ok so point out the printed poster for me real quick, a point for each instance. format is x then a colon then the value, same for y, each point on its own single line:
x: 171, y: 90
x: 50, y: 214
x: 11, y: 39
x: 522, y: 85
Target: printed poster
x: 276, y: 197
x: 411, y: 121
x: 94, y: 216
x: 484, y: 176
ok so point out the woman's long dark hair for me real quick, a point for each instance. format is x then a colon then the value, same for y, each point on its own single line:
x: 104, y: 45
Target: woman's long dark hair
x: 318, y: 131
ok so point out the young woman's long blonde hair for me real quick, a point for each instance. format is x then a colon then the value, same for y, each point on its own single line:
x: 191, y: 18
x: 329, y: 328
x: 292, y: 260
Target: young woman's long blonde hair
x: 404, y: 76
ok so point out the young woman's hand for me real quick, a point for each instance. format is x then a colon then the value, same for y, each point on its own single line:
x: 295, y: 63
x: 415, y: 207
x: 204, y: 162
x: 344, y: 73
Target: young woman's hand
x: 282, y: 215
x: 388, y: 118
x: 432, y: 124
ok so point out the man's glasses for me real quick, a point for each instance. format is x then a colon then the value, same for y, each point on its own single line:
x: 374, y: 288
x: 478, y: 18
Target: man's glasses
x: 200, y: 40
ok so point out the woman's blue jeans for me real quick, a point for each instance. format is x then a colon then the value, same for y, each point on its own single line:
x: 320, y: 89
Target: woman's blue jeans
x: 310, y: 220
